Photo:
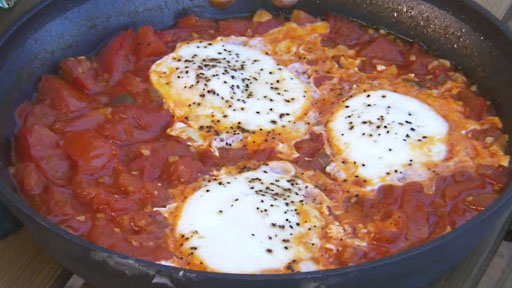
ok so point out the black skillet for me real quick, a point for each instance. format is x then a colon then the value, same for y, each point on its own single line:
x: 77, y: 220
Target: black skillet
x: 457, y: 30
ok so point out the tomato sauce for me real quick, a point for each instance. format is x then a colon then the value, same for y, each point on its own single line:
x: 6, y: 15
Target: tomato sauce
x: 93, y: 155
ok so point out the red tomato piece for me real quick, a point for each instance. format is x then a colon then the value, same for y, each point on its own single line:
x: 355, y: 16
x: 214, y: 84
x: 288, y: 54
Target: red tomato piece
x: 237, y: 27
x: 459, y: 189
x: 91, y: 152
x: 132, y: 124
x: 30, y: 180
x: 148, y: 44
x: 265, y: 26
x: 481, y: 134
x: 129, y: 183
x: 383, y: 49
x: 82, y: 73
x: 366, y: 66
x: 117, y: 57
x: 60, y: 95
x: 344, y: 32
x: 475, y: 105
x: 320, y: 79
x: 40, y: 145
x: 152, y: 164
x: 29, y: 115
x: 481, y: 201
x: 90, y: 120
x: 59, y: 204
x: 389, y: 195
x: 228, y: 156
x: 311, y: 146
x: 184, y: 170
x: 495, y: 174
x: 264, y: 154
x: 133, y: 86
x: 309, y: 164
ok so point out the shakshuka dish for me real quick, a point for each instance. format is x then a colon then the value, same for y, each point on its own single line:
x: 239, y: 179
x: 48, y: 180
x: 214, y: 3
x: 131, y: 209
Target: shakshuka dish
x: 259, y: 145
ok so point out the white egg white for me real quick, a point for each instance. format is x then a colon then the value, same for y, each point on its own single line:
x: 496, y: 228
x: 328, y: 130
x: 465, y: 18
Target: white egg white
x: 252, y: 222
x: 223, y: 86
x: 380, y: 133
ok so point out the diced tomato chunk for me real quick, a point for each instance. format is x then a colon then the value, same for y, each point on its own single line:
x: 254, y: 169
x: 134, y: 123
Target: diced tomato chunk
x: 134, y: 87
x: 320, y: 79
x: 309, y: 164
x: 389, y: 195
x: 60, y: 95
x: 117, y: 56
x: 265, y: 26
x: 344, y: 32
x: 475, y: 105
x: 495, y: 174
x: 132, y: 124
x: 264, y: 154
x: 148, y: 44
x: 82, y: 73
x: 40, y: 145
x: 151, y: 165
x: 30, y: 180
x: 59, y: 203
x: 29, y: 115
x: 235, y: 27
x: 482, y: 134
x: 185, y: 170
x: 90, y: 120
x: 481, y: 201
x: 231, y: 156
x: 129, y: 183
x: 91, y: 152
x: 302, y: 18
x: 383, y: 49
x: 366, y: 66
x: 311, y: 146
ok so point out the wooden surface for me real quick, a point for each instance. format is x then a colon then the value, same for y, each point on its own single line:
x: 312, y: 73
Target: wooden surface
x: 24, y: 264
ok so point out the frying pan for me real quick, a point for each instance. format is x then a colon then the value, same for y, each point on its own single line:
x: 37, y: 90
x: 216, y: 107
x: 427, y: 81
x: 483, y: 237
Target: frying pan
x: 461, y: 31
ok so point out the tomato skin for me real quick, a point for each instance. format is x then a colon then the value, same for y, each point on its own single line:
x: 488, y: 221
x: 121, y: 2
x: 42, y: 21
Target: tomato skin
x: 265, y: 26
x: 475, y: 106
x: 30, y: 180
x: 29, y: 115
x: 133, y: 124
x: 60, y: 95
x: 495, y: 174
x: 82, y: 73
x: 88, y: 121
x: 91, y: 152
x: 151, y: 165
x: 235, y: 27
x: 117, y: 56
x: 320, y: 79
x: 40, y: 145
x: 133, y: 86
x: 383, y: 49
x: 148, y: 44
x: 185, y: 170
x: 344, y: 32
x: 311, y: 146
